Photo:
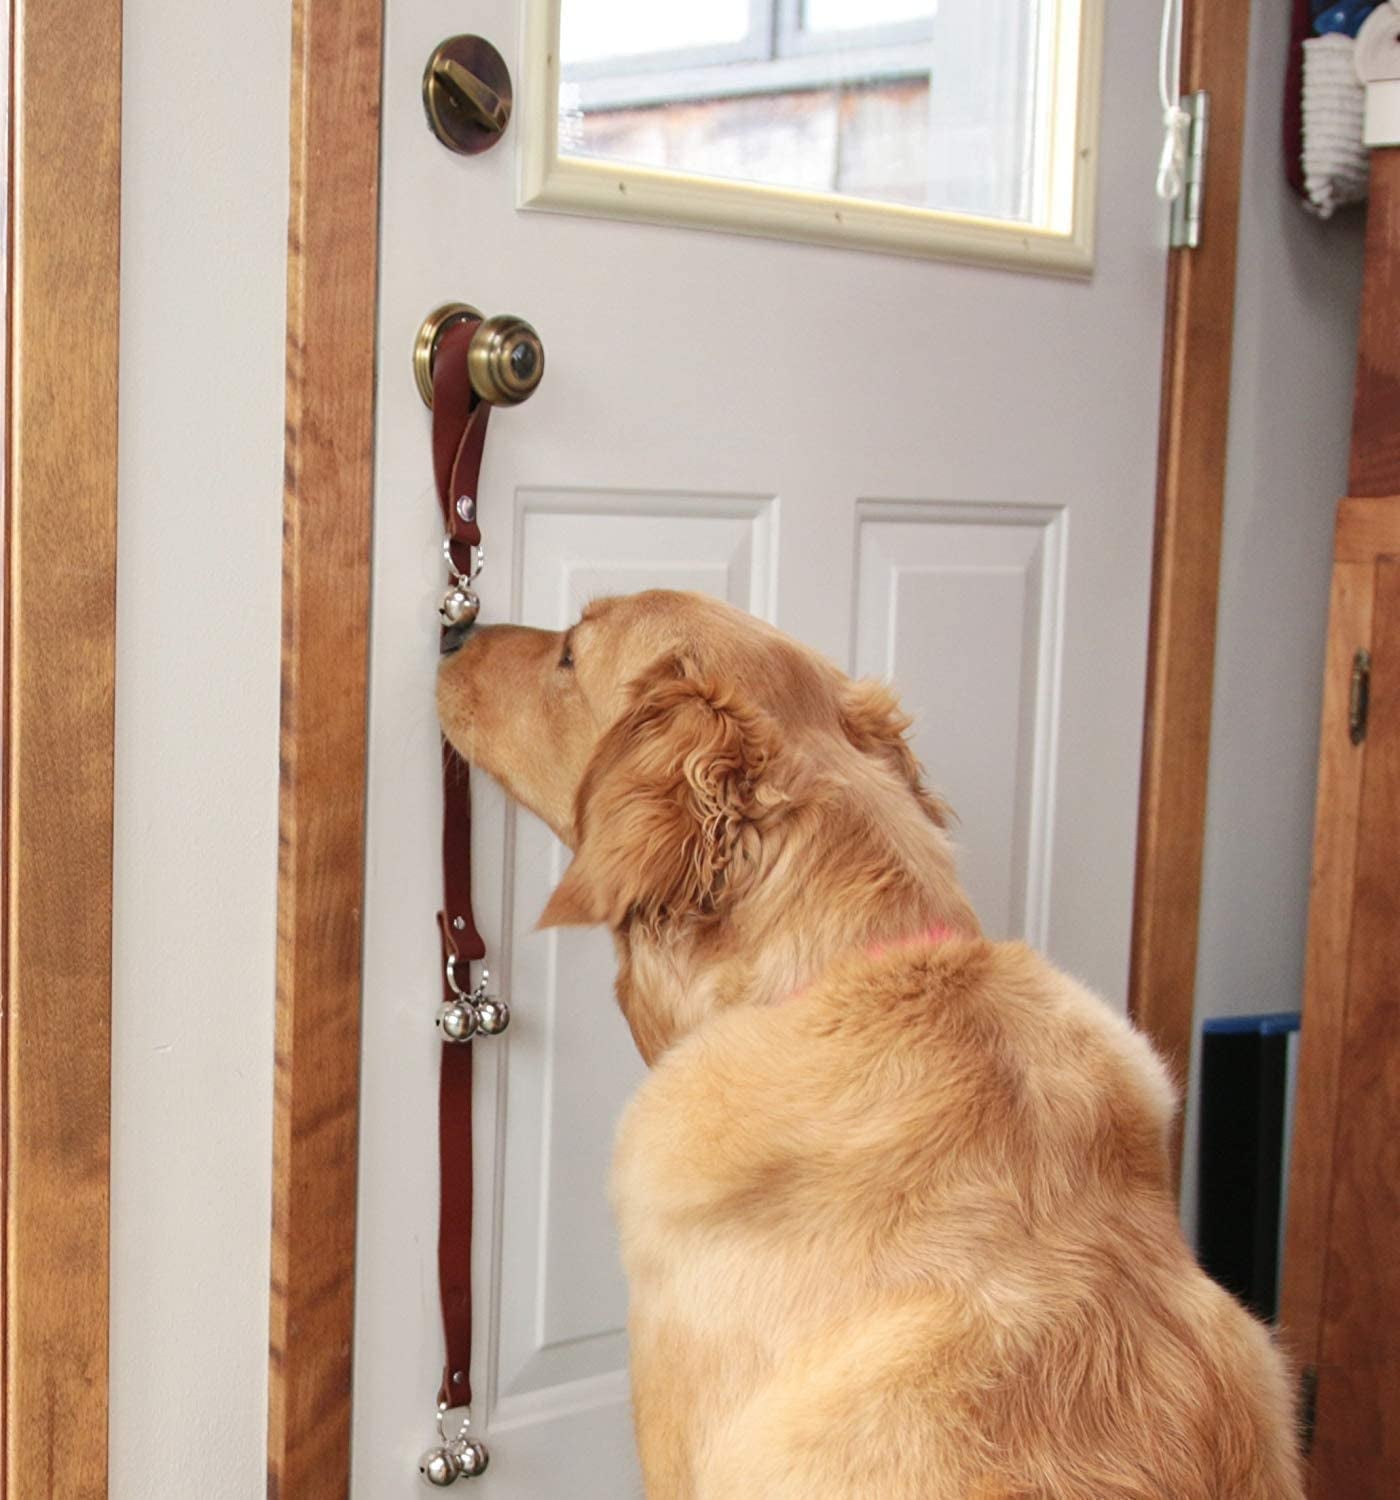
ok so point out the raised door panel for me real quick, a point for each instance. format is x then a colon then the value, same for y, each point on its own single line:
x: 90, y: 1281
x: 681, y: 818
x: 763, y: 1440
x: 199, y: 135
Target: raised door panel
x: 558, y: 1299
x: 961, y: 606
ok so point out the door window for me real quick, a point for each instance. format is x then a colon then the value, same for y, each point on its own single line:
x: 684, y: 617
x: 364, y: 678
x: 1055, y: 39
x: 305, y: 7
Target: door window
x: 945, y: 127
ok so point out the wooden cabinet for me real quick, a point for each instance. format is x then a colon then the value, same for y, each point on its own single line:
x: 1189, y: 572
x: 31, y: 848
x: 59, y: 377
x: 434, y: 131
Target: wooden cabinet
x: 1341, y: 1294
x: 1341, y: 1303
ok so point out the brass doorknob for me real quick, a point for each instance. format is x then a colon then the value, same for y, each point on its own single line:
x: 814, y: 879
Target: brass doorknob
x: 505, y: 360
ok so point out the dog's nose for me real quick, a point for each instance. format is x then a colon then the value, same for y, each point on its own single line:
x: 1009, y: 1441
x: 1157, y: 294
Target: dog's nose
x: 452, y: 637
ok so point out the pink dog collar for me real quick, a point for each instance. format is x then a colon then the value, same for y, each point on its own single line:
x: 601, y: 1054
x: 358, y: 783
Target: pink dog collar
x: 930, y: 937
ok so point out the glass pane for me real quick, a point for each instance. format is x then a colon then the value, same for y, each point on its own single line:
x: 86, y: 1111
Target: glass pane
x: 591, y: 29
x: 869, y: 141
x: 839, y: 15
x: 956, y: 115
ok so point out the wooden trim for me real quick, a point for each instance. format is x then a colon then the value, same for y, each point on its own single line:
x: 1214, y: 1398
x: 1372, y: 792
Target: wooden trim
x: 59, y: 681
x: 1366, y: 528
x: 1375, y: 434
x: 333, y: 244
x: 1186, y: 558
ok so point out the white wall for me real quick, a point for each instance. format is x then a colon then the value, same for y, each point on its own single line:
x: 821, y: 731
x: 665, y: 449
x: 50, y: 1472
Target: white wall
x: 1299, y: 289
x: 204, y: 207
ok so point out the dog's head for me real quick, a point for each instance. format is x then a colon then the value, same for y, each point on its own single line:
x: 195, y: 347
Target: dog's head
x: 678, y: 745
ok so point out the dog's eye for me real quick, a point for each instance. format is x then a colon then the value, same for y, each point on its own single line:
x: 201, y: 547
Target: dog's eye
x: 566, y: 659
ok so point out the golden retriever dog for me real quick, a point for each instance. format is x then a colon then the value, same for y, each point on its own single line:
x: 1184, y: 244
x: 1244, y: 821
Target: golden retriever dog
x: 894, y: 1199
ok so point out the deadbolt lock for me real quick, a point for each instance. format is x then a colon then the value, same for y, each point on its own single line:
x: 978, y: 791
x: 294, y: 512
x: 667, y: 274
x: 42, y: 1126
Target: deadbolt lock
x: 505, y: 360
x: 467, y: 94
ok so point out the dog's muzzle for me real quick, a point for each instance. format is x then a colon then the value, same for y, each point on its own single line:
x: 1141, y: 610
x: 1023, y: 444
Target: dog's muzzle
x: 453, y: 636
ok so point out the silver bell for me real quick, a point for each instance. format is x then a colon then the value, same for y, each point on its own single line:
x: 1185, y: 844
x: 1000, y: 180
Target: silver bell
x: 471, y: 1457
x: 492, y: 1016
x: 441, y: 1467
x: 459, y: 606
x: 457, y: 1020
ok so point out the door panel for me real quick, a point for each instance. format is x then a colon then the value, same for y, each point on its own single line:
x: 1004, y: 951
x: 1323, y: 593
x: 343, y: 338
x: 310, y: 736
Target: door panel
x: 569, y: 1061
x: 723, y: 413
x: 961, y: 606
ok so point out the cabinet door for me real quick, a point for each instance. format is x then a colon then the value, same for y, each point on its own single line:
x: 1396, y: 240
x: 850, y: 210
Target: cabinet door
x: 1357, y: 1449
x: 1341, y: 1301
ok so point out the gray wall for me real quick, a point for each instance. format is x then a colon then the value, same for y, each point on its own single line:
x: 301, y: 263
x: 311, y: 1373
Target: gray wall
x: 1290, y: 423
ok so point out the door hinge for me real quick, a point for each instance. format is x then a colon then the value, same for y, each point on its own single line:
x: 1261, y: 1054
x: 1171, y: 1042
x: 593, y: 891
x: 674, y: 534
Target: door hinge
x: 1189, y: 205
x: 1359, y: 698
x: 1307, y: 1407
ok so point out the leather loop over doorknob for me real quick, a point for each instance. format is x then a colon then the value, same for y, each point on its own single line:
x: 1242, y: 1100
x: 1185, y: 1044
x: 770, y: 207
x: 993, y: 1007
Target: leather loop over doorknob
x: 429, y: 340
x: 459, y: 440
x: 506, y: 357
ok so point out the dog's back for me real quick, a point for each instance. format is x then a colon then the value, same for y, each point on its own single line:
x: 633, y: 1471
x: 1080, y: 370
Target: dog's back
x: 910, y: 1234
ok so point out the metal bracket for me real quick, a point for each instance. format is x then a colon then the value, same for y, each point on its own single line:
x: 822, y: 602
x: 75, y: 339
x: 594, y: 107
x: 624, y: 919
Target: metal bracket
x: 1189, y: 206
x: 1359, y: 696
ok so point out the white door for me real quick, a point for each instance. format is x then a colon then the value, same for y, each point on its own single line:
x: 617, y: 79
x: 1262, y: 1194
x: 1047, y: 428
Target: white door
x: 937, y: 471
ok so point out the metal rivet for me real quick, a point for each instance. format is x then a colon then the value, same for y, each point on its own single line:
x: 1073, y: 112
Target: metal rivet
x: 466, y: 508
x: 459, y: 923
x: 458, y: 1377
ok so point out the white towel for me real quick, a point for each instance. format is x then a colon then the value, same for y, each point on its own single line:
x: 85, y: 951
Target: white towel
x: 1335, y: 166
x: 1378, y: 67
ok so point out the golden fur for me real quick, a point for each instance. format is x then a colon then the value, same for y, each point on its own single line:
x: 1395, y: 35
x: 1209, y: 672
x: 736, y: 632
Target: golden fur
x: 895, y: 1214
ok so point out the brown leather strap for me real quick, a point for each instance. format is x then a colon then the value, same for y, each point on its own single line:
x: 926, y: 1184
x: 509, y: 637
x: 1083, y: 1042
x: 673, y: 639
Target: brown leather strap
x: 455, y: 1222
x: 459, y: 438
x: 459, y: 435
x: 458, y: 926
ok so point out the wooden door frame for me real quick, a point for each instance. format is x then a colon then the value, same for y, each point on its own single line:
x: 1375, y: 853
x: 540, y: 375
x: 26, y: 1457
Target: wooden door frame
x: 64, y: 159
x: 1197, y: 356
x: 333, y: 250
x: 332, y: 308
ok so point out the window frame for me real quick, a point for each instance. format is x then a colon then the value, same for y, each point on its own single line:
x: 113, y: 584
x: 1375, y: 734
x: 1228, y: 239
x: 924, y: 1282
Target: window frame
x: 792, y: 38
x: 755, y: 46
x: 554, y: 181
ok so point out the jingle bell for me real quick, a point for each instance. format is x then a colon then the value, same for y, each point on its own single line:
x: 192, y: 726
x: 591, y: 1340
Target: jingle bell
x: 492, y: 1016
x: 459, y: 606
x: 472, y: 1458
x: 441, y: 1467
x: 457, y: 1020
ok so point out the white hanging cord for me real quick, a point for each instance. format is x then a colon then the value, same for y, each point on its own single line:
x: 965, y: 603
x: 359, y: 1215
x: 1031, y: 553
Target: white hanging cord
x: 1176, y: 122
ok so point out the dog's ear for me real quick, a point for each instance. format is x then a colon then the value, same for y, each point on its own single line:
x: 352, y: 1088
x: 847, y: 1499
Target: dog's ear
x: 876, y: 725
x: 672, y: 808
